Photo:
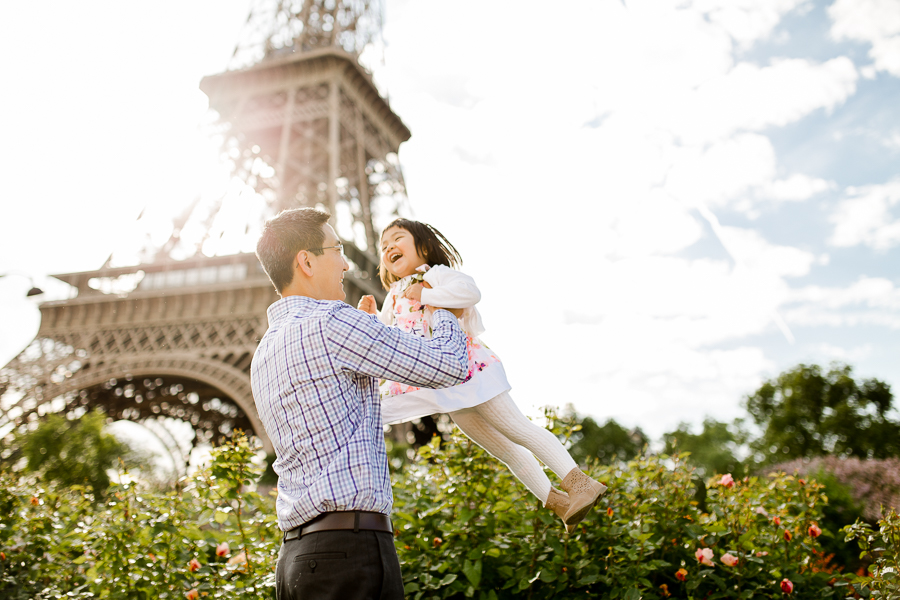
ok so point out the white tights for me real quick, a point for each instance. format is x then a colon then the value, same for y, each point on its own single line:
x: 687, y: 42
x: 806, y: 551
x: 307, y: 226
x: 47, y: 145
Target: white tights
x: 499, y: 427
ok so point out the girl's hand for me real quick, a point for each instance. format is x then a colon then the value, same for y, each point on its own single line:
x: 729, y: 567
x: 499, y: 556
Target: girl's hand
x: 414, y: 292
x: 367, y: 305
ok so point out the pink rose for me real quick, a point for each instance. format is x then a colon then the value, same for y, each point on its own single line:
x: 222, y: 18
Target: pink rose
x: 222, y: 549
x: 194, y: 565
x: 704, y: 556
x: 238, y: 559
x: 192, y: 594
x: 777, y: 520
x: 727, y: 480
x: 729, y: 560
x: 814, y: 530
x: 786, y: 586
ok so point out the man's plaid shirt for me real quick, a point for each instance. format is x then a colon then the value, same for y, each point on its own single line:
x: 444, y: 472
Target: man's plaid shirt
x: 315, y: 380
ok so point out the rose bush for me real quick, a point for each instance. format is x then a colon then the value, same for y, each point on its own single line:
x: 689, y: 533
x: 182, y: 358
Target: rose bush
x: 465, y: 528
x: 883, y: 547
x: 140, y: 543
x: 650, y: 536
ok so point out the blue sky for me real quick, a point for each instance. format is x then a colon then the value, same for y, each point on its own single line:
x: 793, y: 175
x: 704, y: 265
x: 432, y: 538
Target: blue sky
x: 643, y: 190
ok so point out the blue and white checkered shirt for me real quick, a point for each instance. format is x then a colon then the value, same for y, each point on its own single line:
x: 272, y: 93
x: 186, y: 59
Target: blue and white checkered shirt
x: 315, y: 381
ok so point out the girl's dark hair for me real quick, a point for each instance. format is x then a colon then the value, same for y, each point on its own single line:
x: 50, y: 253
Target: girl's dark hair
x: 430, y: 244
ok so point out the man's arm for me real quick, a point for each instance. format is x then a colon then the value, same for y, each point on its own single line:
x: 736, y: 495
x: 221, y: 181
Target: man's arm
x: 363, y: 345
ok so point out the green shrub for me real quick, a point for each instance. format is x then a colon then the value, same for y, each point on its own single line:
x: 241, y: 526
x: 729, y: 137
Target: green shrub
x: 140, y: 544
x: 467, y: 528
x: 883, y: 548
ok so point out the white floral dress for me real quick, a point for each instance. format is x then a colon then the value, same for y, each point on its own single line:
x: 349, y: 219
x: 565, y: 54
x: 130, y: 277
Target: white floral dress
x: 486, y: 378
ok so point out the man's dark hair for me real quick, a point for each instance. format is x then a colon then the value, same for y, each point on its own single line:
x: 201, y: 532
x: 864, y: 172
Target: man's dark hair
x: 285, y: 235
x: 430, y: 244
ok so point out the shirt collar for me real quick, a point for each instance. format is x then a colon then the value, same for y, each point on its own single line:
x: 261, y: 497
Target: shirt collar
x: 288, y: 305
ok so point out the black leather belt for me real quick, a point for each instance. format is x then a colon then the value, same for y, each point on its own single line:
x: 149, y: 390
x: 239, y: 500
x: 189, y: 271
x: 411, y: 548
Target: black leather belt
x: 335, y: 521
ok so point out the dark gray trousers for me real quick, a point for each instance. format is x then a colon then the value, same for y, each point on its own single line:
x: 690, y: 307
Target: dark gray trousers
x: 339, y: 565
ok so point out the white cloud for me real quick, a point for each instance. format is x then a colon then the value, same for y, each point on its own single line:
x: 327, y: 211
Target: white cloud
x: 751, y: 98
x: 721, y: 172
x: 653, y: 224
x: 874, y: 21
x: 798, y: 187
x: 846, y: 355
x: 868, y: 218
x: 868, y: 301
x: 752, y: 251
x: 638, y: 379
x: 872, y: 292
x: 747, y: 21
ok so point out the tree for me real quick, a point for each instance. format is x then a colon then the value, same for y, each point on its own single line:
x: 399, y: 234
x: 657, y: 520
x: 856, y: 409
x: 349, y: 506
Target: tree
x: 804, y: 413
x: 606, y: 443
x: 713, y: 450
x: 73, y: 452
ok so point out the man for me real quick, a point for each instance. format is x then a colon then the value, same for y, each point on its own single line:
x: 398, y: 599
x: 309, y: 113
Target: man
x: 315, y: 382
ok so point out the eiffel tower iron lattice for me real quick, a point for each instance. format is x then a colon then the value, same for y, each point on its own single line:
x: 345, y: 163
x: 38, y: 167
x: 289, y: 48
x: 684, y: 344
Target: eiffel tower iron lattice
x: 304, y: 125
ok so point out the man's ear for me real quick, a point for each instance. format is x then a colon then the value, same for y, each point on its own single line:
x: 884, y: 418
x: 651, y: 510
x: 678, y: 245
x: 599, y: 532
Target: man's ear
x: 302, y: 259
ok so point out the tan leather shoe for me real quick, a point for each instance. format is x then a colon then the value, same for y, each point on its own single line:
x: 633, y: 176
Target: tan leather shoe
x: 583, y: 493
x: 558, y: 502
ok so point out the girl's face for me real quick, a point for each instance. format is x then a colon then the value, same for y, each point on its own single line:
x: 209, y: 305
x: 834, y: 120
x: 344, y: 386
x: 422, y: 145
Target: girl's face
x: 398, y: 252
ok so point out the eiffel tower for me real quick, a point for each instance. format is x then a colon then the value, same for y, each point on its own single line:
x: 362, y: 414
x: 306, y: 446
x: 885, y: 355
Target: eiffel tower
x: 303, y: 124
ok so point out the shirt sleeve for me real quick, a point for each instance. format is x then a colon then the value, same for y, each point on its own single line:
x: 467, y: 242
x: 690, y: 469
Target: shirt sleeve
x: 450, y: 289
x: 361, y: 344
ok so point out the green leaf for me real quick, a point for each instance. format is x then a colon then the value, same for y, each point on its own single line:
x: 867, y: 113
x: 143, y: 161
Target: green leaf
x: 632, y: 594
x: 548, y: 576
x: 220, y: 516
x: 472, y: 571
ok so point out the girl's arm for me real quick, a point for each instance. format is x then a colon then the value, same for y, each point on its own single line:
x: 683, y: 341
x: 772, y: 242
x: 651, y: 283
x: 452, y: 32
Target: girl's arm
x: 449, y: 288
x: 385, y: 315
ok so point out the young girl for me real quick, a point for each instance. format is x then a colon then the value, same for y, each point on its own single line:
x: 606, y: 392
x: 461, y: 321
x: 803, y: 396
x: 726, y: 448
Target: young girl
x: 416, y: 269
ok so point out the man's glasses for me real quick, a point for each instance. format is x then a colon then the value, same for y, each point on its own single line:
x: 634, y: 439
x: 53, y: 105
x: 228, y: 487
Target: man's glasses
x: 339, y: 247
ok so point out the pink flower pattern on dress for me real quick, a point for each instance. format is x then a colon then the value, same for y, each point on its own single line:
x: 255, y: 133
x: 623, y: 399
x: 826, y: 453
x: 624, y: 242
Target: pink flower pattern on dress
x: 409, y: 316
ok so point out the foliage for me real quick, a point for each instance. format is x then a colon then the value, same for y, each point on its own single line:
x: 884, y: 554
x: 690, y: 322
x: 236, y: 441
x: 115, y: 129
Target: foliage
x: 139, y: 543
x: 713, y: 450
x: 464, y: 528
x: 605, y: 443
x: 874, y: 485
x: 883, y: 582
x: 467, y: 528
x: 73, y: 452
x: 856, y: 489
x: 804, y: 413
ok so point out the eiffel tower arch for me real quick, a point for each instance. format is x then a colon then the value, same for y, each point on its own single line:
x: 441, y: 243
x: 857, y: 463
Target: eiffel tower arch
x: 304, y: 125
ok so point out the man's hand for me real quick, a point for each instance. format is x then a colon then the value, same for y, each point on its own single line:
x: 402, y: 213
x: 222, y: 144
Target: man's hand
x: 456, y: 312
x: 367, y: 305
